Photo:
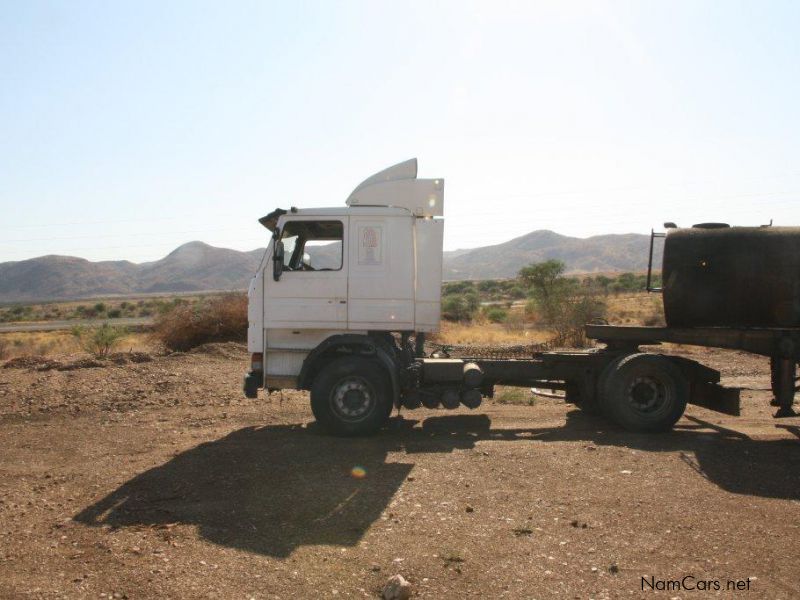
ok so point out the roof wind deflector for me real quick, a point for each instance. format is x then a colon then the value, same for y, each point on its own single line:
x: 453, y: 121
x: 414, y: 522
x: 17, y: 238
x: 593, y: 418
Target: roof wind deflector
x: 403, y: 170
x: 398, y: 187
x: 270, y: 221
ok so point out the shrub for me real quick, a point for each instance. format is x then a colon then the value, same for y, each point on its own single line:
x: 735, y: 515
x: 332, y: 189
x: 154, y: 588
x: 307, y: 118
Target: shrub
x: 460, y: 307
x: 561, y: 303
x: 219, y: 319
x: 488, y: 285
x: 495, y: 314
x: 454, y: 308
x: 114, y: 313
x: 100, y: 307
x: 98, y: 340
x: 457, y: 287
x: 86, y: 312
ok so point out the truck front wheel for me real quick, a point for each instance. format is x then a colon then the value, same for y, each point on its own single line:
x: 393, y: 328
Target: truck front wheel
x: 351, y: 397
x: 645, y: 393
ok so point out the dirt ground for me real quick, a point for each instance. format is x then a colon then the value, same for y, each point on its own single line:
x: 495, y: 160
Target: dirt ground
x: 157, y: 479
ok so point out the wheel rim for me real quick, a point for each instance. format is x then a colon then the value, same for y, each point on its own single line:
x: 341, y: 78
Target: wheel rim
x: 352, y: 398
x: 649, y: 395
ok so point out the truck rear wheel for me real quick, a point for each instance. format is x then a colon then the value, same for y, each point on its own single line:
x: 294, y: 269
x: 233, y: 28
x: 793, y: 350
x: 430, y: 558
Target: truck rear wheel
x: 351, y: 397
x: 645, y: 393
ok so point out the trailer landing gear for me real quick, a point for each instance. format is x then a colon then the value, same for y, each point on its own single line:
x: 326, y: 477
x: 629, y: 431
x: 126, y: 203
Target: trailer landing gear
x: 784, y: 375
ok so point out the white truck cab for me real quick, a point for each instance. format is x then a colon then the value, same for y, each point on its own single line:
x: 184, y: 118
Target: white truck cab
x: 336, y: 283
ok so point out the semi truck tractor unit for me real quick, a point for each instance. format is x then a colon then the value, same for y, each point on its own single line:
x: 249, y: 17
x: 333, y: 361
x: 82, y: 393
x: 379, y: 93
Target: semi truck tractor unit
x: 344, y: 297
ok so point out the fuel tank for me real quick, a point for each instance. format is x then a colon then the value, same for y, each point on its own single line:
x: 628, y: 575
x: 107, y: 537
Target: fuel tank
x: 720, y: 276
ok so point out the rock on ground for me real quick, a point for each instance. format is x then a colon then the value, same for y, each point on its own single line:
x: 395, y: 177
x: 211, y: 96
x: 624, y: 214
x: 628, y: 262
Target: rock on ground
x: 397, y: 588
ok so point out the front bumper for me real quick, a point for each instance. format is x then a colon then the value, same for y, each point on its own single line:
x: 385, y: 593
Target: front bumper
x: 253, y: 380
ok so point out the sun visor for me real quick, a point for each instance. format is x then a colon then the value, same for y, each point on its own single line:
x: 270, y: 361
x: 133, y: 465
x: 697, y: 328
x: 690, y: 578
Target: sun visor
x: 270, y: 221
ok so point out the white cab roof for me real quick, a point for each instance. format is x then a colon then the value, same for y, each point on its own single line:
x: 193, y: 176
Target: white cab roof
x: 344, y: 212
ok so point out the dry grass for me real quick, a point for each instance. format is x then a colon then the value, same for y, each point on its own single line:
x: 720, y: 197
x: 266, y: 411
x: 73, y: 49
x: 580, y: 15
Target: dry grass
x: 640, y: 308
x: 514, y: 395
x: 218, y: 319
x: 486, y: 333
x: 223, y: 318
x: 47, y: 343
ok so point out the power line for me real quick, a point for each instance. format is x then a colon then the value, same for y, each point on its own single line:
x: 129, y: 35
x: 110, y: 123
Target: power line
x: 97, y: 237
x: 119, y: 222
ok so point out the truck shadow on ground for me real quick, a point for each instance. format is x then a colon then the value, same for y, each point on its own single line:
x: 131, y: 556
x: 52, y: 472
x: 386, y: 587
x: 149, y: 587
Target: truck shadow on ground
x: 733, y: 461
x: 263, y: 489
x: 271, y: 489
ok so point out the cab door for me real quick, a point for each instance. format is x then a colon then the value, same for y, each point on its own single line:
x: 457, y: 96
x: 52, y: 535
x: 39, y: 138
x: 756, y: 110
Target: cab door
x: 381, y: 289
x: 311, y: 292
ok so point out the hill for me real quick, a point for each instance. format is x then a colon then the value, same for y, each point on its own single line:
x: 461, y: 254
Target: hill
x: 197, y: 266
x: 597, y: 254
x: 194, y: 266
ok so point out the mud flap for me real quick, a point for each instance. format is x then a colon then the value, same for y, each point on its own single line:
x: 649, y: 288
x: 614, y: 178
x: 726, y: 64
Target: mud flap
x: 251, y: 384
x: 715, y: 397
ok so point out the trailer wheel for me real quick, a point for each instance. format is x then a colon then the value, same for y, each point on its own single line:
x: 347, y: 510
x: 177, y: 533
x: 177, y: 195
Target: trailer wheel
x: 645, y: 393
x: 351, y: 397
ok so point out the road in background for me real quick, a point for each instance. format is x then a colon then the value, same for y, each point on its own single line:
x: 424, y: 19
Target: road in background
x: 20, y: 327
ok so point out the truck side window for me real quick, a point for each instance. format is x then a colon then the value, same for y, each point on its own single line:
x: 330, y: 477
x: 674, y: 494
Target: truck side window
x: 313, y: 245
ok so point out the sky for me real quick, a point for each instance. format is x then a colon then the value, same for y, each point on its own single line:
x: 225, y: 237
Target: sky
x: 129, y: 128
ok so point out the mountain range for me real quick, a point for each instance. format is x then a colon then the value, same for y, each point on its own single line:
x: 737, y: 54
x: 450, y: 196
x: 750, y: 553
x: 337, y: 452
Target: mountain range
x: 197, y: 266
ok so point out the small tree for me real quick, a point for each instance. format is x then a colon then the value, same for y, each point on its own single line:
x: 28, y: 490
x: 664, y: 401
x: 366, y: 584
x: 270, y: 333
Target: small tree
x: 561, y: 302
x: 98, y: 341
x: 543, y: 277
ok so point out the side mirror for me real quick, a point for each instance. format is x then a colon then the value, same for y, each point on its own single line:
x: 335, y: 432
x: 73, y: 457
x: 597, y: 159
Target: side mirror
x: 277, y: 261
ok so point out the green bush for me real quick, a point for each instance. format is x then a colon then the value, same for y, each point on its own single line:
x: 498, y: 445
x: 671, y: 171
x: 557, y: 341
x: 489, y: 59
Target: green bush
x: 460, y: 307
x: 98, y: 341
x: 495, y: 314
x: 457, y: 287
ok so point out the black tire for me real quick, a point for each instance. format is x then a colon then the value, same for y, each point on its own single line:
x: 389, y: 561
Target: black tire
x: 602, y: 383
x: 645, y: 393
x: 351, y: 396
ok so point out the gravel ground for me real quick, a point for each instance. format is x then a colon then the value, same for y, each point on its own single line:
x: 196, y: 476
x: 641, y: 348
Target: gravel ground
x: 155, y: 478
